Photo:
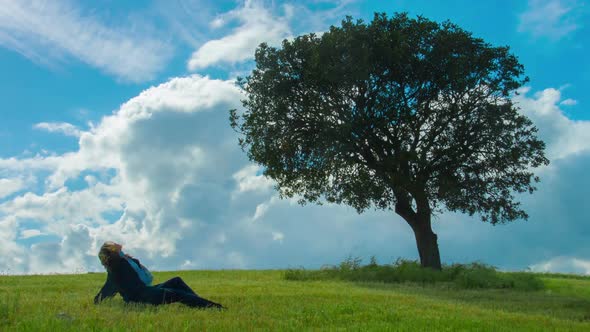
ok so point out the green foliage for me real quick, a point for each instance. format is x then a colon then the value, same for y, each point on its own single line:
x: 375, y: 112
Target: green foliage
x: 466, y: 276
x: 264, y: 300
x: 391, y: 112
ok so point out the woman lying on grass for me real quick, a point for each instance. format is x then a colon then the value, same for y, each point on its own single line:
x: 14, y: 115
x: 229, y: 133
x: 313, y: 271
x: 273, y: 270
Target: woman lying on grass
x: 133, y: 281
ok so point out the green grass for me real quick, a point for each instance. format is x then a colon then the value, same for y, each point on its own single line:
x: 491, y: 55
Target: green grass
x: 265, y: 300
x: 462, y: 276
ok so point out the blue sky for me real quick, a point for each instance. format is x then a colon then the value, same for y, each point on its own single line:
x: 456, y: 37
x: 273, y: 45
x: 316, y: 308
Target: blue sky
x: 114, y: 126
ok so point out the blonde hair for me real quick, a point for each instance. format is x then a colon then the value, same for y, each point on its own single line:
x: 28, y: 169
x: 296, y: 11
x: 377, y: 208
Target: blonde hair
x: 108, y: 250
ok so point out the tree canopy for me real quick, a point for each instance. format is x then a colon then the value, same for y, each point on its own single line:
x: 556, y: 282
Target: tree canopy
x: 401, y: 113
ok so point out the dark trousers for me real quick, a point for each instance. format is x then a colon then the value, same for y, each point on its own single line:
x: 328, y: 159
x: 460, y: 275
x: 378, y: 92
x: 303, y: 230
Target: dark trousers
x: 176, y: 283
x: 174, y: 290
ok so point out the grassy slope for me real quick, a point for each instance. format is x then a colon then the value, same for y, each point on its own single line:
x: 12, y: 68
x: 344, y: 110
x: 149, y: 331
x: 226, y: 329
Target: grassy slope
x: 263, y: 300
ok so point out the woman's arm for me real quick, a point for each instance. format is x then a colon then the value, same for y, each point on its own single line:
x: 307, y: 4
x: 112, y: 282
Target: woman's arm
x: 108, y: 290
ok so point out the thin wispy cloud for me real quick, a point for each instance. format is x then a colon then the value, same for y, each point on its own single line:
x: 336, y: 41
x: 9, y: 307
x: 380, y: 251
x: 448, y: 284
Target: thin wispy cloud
x: 258, y: 21
x: 256, y: 24
x: 186, y: 20
x: 554, y: 19
x: 51, y: 32
x: 29, y: 233
x: 65, y: 128
x: 569, y: 102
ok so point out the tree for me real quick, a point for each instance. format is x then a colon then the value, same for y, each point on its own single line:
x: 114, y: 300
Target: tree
x: 402, y: 114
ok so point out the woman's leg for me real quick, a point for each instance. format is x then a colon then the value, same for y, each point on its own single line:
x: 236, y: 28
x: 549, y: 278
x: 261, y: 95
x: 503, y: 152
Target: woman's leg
x: 191, y: 300
x: 160, y: 295
x: 176, y: 283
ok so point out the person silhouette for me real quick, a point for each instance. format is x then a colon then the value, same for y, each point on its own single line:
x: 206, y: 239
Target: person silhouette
x: 128, y: 277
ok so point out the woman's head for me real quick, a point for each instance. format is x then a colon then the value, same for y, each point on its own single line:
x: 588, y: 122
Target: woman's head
x: 108, y: 250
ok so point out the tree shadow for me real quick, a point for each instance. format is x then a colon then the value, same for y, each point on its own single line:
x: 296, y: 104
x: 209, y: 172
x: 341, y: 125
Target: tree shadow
x: 543, y: 302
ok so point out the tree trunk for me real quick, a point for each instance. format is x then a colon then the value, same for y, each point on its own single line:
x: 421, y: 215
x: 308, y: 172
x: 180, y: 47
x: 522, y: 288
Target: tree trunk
x: 427, y: 244
x: 426, y: 240
x: 419, y: 220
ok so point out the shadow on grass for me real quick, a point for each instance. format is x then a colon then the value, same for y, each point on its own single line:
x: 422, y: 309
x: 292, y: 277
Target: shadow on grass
x: 474, y: 284
x: 541, y: 302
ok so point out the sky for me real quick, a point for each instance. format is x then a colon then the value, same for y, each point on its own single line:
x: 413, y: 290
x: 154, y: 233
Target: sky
x: 114, y: 126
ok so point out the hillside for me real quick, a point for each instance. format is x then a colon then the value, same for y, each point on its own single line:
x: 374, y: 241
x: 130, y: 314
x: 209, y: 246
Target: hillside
x: 265, y: 300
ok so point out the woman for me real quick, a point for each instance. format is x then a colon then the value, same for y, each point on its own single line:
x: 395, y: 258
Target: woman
x: 133, y: 281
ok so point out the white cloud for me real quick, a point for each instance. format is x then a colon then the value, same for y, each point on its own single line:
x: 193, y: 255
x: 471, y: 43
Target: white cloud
x: 260, y: 210
x: 65, y: 128
x: 48, y: 32
x: 563, y: 136
x: 553, y: 18
x: 186, y: 20
x: 278, y: 236
x: 57, y: 209
x: 169, y: 181
x: 563, y: 265
x: 179, y: 185
x: 66, y: 256
x: 314, y: 20
x: 162, y: 152
x: 164, y: 175
x: 257, y: 24
x: 262, y: 21
x: 10, y: 186
x: 28, y: 233
x: 569, y: 102
x: 12, y: 256
x: 250, y: 178
x: 218, y: 22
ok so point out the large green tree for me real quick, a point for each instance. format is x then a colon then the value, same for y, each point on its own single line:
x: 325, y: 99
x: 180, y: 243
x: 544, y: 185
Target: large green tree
x: 401, y: 113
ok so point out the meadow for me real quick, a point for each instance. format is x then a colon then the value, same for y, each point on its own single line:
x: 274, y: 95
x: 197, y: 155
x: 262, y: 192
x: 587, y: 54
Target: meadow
x: 298, y: 300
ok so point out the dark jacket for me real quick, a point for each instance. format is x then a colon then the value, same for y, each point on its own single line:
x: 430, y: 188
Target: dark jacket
x: 122, y: 279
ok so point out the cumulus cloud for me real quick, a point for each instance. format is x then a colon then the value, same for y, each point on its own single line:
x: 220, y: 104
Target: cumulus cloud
x: 563, y: 264
x: 257, y: 24
x: 10, y: 186
x: 554, y: 18
x: 164, y: 175
x: 49, y: 32
x: 163, y: 165
x: 250, y: 178
x: 168, y: 167
x: 563, y: 136
x: 65, y: 256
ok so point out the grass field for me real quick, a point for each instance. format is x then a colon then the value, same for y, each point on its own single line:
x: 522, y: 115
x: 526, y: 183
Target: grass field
x: 264, y: 300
